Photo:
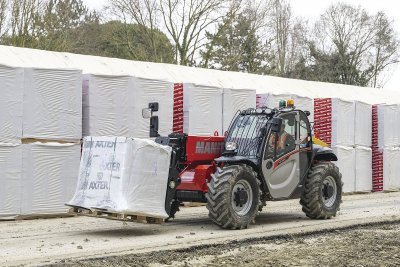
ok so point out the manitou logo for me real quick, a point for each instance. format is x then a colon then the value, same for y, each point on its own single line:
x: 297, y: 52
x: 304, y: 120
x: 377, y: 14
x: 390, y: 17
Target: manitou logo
x: 209, y: 147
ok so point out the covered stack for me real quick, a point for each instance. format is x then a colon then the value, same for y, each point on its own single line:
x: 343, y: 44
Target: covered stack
x: 123, y: 175
x: 385, y: 147
x: 41, y: 128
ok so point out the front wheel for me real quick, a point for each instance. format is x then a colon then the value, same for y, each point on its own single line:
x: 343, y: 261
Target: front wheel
x: 322, y: 194
x: 233, y: 197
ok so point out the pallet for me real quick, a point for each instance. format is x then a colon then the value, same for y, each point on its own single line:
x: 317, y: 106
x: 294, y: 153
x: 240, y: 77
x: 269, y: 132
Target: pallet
x: 37, y: 216
x: 98, y: 213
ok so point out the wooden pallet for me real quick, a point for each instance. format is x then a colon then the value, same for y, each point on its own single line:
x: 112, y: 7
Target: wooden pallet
x: 37, y: 216
x: 115, y: 215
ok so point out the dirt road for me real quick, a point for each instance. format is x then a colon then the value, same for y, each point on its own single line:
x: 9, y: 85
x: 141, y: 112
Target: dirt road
x: 47, y: 241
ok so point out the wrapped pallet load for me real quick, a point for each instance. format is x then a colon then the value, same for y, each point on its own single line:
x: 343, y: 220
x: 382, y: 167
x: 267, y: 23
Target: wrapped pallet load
x: 202, y: 109
x: 391, y: 168
x: 49, y: 175
x: 112, y: 105
x: 11, y: 88
x: 363, y: 124
x: 334, y: 121
x: 123, y: 175
x: 347, y: 157
x: 363, y: 175
x: 388, y: 132
x: 235, y: 100
x: 10, y: 180
x: 300, y: 102
x: 52, y: 107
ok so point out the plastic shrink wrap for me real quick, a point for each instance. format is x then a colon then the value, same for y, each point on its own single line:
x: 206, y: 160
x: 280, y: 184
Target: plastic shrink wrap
x: 202, y: 109
x: 235, y: 100
x: 363, y: 124
x: 123, y: 175
x: 391, y: 168
x: 10, y: 180
x: 52, y: 104
x: 346, y: 159
x: 388, y: 130
x: 48, y: 176
x: 11, y: 88
x: 363, y: 163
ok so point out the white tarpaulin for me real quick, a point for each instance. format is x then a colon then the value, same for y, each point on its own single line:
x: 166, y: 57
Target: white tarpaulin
x: 52, y: 106
x: 108, y: 105
x: 363, y: 124
x: 49, y: 176
x: 202, y: 109
x: 388, y: 130
x: 235, y: 100
x: 391, y: 168
x: 10, y: 180
x: 11, y: 88
x: 363, y: 164
x: 342, y: 122
x: 346, y: 160
x: 123, y: 175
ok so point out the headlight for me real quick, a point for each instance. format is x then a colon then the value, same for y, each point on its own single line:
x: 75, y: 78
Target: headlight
x: 230, y: 146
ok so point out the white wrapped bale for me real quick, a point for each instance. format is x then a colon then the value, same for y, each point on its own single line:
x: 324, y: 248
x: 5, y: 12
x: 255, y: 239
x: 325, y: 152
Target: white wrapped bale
x: 202, y: 109
x: 363, y: 163
x: 346, y: 160
x: 108, y: 105
x: 234, y: 100
x: 391, y: 168
x: 10, y: 180
x: 388, y: 132
x: 363, y: 124
x: 11, y: 88
x: 123, y: 175
x: 49, y: 176
x: 52, y: 107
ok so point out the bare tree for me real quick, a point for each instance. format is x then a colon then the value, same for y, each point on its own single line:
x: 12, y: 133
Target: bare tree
x: 142, y: 12
x: 186, y: 22
x: 3, y: 17
x: 365, y: 44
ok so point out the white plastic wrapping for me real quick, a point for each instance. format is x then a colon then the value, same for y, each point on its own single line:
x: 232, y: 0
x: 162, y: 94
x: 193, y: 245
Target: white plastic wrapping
x: 202, y: 109
x: 108, y: 105
x: 52, y: 106
x: 49, y: 176
x: 272, y: 101
x: 363, y: 124
x: 346, y: 164
x: 11, y: 88
x: 388, y: 130
x: 343, y: 125
x: 147, y: 91
x: 123, y: 175
x: 10, y: 180
x: 391, y: 168
x: 235, y: 100
x: 363, y: 164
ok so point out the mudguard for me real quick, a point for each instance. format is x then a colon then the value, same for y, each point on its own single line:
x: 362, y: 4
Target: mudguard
x: 323, y: 153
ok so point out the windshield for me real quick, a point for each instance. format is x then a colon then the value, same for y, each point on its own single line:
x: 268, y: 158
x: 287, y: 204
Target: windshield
x: 245, y: 131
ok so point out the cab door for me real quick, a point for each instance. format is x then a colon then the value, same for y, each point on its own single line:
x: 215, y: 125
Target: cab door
x: 280, y: 163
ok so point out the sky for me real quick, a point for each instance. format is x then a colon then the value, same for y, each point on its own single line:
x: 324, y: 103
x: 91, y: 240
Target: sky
x: 312, y: 9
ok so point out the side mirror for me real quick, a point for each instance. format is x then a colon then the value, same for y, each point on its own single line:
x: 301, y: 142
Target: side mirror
x: 276, y: 124
x: 146, y: 113
x: 154, y: 126
x: 307, y: 113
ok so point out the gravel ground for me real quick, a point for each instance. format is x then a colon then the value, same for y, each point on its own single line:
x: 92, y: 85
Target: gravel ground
x: 368, y: 245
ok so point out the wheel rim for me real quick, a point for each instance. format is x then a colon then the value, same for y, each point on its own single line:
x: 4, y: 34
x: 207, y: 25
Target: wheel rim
x: 329, y: 191
x: 242, y: 197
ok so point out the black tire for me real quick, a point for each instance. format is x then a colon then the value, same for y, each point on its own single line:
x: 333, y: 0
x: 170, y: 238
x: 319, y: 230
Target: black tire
x: 222, y: 200
x: 318, y: 200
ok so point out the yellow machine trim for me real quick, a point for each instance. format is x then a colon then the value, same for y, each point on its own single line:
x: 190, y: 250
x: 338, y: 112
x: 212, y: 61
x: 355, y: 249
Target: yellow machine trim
x: 319, y: 142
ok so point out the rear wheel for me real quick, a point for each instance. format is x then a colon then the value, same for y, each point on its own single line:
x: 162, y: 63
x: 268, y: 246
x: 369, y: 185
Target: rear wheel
x: 233, y: 196
x: 322, y: 194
